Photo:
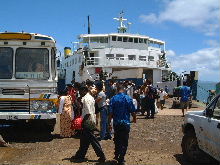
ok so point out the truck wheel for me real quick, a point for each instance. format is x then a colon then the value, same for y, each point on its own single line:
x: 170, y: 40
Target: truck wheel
x: 191, y: 150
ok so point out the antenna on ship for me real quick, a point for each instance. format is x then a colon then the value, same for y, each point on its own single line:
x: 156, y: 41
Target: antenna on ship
x: 88, y: 25
x: 129, y: 24
x: 122, y: 28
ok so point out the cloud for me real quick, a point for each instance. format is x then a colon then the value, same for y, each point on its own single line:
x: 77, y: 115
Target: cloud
x: 206, y: 61
x: 212, y: 43
x: 202, y: 15
x: 170, y: 53
x: 151, y: 18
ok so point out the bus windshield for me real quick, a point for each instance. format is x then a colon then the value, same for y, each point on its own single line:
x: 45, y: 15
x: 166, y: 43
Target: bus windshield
x: 6, y: 63
x: 32, y: 63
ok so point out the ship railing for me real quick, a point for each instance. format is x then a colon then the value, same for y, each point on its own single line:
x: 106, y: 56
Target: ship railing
x: 119, y: 61
x: 98, y: 45
x: 163, y: 64
x: 168, y: 65
x: 92, y: 61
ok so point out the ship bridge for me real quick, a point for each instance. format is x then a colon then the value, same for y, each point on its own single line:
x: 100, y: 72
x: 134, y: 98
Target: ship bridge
x: 122, y: 50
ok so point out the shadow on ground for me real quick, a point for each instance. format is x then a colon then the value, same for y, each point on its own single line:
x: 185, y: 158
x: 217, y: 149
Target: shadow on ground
x: 182, y: 161
x: 25, y: 134
x: 86, y: 161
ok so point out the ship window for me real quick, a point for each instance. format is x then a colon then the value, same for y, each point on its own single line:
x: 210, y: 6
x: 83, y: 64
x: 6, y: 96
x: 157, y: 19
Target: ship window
x: 162, y: 47
x: 119, y: 56
x: 145, y: 41
x: 131, y: 57
x: 74, y: 75
x: 94, y: 40
x: 151, y: 43
x: 103, y: 40
x: 130, y: 40
x: 150, y: 58
x: 125, y: 39
x: 114, y: 38
x: 159, y: 45
x: 110, y: 56
x: 142, y: 58
x: 140, y: 40
x: 135, y: 40
x: 119, y: 38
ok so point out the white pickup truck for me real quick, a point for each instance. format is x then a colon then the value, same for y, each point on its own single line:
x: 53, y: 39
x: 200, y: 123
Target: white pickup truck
x: 201, y: 140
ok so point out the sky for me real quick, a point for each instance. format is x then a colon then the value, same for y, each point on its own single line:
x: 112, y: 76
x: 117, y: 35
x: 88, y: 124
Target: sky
x: 190, y: 28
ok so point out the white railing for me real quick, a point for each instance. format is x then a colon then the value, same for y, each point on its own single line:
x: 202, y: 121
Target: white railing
x: 118, y: 62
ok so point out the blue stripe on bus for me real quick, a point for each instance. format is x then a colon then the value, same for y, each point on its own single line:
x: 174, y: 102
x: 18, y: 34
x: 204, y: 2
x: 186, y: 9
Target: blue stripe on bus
x: 36, y: 116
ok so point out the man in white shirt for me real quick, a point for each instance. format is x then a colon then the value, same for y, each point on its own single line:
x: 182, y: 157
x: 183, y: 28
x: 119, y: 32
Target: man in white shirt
x: 162, y: 95
x: 88, y: 124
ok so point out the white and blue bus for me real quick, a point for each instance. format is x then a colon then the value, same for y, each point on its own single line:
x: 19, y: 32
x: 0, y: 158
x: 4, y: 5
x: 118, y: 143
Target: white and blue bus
x: 28, y: 78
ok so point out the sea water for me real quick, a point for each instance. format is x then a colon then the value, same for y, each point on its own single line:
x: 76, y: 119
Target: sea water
x: 203, y: 88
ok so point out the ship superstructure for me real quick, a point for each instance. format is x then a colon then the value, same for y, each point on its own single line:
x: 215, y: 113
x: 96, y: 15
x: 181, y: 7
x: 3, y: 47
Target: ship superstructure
x: 116, y: 56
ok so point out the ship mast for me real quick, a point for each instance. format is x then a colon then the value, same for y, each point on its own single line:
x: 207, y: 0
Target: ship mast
x: 122, y: 28
x: 88, y: 25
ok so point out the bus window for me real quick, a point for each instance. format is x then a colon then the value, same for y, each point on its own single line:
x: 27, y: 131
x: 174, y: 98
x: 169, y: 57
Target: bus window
x: 6, y: 63
x: 53, y: 63
x: 32, y: 63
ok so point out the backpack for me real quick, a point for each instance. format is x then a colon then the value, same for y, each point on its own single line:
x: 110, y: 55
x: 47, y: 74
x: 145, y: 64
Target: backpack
x: 153, y: 92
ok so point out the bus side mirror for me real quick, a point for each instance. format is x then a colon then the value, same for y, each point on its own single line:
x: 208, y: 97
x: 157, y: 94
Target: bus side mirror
x: 58, y: 63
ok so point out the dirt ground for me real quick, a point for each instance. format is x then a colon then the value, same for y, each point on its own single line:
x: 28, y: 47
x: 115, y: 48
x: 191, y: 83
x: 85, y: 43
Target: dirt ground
x: 152, y: 142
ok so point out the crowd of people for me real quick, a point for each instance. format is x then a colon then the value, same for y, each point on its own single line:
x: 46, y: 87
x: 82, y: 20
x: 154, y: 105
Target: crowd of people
x: 105, y: 107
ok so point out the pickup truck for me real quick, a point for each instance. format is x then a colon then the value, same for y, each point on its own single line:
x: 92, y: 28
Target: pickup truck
x: 201, y: 129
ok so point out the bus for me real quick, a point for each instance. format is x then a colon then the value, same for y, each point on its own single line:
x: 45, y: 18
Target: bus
x: 28, y: 79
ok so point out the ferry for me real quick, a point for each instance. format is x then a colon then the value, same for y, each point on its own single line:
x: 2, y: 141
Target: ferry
x: 121, y: 56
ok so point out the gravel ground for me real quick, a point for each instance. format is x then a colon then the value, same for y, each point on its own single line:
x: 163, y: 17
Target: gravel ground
x: 152, y: 142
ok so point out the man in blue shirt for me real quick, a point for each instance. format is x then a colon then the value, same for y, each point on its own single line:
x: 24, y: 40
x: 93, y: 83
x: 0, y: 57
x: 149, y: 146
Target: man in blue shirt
x: 185, y: 93
x: 121, y: 106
